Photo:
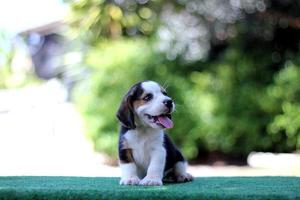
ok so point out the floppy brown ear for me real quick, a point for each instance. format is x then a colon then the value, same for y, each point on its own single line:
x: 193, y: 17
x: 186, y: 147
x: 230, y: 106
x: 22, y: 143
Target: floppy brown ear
x: 125, y: 112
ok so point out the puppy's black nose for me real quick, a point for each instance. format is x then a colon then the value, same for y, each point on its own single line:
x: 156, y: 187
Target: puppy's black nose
x: 168, y: 103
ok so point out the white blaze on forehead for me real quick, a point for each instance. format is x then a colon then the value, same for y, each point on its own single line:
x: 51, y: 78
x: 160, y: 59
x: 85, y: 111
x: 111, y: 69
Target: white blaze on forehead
x: 151, y: 86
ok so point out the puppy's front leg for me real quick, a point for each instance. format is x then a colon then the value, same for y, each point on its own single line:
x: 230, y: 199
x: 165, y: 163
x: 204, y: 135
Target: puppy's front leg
x: 129, y: 174
x: 156, y: 168
x: 128, y: 168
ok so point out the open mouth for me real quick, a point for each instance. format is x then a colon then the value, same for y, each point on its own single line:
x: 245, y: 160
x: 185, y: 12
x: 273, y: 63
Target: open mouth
x: 164, y: 120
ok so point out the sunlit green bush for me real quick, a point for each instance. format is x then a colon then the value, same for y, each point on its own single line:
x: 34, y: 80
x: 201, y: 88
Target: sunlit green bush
x: 234, y: 105
x: 285, y: 94
x: 115, y: 66
x: 253, y: 108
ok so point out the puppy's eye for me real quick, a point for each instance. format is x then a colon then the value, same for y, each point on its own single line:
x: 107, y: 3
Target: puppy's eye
x: 164, y: 93
x: 148, y: 97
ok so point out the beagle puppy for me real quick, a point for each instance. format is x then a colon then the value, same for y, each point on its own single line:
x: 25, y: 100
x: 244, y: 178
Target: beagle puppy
x: 147, y: 156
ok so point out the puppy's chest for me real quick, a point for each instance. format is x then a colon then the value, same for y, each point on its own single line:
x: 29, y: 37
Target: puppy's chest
x: 143, y: 145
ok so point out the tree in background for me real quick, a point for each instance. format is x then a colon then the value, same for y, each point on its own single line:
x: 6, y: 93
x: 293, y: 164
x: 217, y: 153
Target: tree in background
x: 233, y: 67
x: 15, y: 66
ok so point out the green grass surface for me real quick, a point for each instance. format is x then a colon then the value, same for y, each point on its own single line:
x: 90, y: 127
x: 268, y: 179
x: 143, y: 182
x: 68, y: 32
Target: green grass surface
x: 108, y: 188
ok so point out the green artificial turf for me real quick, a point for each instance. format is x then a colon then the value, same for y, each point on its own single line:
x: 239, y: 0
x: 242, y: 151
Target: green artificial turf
x: 232, y: 188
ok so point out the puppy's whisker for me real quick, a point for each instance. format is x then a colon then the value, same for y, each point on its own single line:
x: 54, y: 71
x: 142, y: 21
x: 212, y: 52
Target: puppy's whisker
x: 165, y: 85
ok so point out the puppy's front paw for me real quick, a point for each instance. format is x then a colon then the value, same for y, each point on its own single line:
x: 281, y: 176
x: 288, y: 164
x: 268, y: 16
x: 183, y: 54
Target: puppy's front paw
x: 150, y: 181
x: 186, y: 177
x: 130, y: 181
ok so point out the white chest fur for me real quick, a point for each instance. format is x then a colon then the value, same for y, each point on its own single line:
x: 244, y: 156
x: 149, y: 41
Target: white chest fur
x: 143, y: 144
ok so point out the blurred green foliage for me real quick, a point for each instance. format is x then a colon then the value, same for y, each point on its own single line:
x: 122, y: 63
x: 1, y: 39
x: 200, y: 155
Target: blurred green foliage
x: 105, y: 18
x: 12, y: 77
x: 6, y: 56
x: 241, y: 95
x: 115, y: 66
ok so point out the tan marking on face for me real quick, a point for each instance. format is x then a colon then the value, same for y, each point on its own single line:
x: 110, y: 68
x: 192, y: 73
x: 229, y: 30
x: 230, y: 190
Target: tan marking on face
x: 139, y: 102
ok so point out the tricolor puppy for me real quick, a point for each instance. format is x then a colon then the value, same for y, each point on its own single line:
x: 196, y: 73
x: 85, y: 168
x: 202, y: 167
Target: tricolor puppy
x: 146, y: 153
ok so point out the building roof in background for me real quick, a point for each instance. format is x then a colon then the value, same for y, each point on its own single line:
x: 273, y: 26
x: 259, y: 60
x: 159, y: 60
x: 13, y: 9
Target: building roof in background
x: 45, y: 29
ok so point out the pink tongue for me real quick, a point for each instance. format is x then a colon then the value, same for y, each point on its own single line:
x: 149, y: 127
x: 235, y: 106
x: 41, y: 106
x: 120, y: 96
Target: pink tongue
x: 165, y: 121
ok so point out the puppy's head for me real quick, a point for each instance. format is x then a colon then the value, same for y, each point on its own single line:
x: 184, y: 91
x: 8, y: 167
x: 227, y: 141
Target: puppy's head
x: 146, y: 104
